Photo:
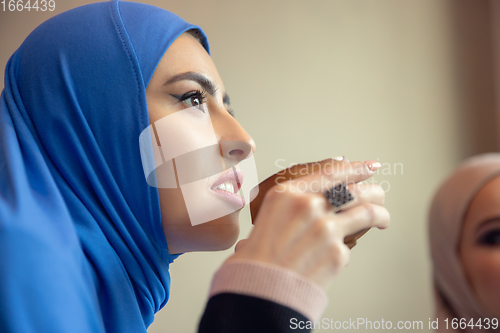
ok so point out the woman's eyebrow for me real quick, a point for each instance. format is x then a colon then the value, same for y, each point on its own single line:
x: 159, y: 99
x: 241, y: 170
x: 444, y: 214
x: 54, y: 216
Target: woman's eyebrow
x: 487, y: 222
x: 197, y: 77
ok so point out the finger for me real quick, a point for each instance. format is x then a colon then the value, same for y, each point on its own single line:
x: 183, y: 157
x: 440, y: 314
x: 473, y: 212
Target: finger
x: 363, y: 217
x: 239, y: 245
x: 304, y: 169
x: 334, y: 174
x: 366, y: 193
x: 282, y: 179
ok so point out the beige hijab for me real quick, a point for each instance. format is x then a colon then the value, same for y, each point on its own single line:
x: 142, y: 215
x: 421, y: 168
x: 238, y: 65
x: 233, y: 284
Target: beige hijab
x: 454, y: 296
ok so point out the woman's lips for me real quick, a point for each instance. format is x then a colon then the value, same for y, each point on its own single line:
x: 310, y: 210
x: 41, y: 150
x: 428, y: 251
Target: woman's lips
x: 228, y: 186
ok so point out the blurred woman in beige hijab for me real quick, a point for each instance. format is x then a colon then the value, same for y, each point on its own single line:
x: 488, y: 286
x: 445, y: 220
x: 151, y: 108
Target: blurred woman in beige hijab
x: 464, y: 226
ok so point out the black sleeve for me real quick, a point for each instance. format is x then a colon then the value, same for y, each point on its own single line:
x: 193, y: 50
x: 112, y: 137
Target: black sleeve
x: 235, y: 313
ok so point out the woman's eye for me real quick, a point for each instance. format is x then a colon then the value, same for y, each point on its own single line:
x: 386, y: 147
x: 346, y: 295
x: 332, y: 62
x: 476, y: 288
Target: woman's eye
x: 490, y: 238
x: 194, y: 99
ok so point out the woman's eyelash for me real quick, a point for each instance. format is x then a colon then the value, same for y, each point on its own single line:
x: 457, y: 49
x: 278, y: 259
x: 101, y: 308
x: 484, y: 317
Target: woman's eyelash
x: 202, y: 94
x: 490, y: 238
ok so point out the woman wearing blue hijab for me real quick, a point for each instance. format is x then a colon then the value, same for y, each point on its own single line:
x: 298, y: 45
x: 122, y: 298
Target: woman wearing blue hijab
x: 85, y: 242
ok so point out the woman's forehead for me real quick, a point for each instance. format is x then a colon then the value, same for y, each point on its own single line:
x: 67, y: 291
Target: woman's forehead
x: 186, y: 54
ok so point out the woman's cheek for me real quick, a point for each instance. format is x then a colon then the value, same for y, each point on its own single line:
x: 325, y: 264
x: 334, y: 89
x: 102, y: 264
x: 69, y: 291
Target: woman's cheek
x: 485, y: 277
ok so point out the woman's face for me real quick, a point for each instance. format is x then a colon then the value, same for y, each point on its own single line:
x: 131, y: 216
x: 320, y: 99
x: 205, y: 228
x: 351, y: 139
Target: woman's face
x: 480, y: 246
x: 185, y: 79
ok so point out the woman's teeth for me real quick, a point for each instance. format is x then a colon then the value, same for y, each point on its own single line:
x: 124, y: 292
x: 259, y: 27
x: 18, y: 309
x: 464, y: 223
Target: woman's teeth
x: 227, y: 186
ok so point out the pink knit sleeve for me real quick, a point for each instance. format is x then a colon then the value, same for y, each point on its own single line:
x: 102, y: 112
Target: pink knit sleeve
x: 272, y: 283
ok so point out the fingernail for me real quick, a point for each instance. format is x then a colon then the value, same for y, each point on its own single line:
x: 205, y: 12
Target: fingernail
x: 339, y: 158
x: 373, y: 166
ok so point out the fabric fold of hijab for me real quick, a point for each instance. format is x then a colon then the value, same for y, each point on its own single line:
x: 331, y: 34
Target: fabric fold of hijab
x: 454, y: 295
x: 80, y: 230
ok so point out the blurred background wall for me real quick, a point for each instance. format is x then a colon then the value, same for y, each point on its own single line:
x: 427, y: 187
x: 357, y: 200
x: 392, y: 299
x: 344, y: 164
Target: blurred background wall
x: 408, y: 82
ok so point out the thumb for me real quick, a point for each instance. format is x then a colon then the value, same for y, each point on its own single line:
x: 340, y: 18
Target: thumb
x: 239, y: 245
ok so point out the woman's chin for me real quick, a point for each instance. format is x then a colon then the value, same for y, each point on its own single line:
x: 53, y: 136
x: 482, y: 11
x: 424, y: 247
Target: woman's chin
x: 216, y: 235
x: 219, y: 234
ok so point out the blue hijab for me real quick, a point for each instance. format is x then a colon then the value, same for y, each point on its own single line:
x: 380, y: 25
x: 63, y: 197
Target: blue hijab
x: 81, y: 242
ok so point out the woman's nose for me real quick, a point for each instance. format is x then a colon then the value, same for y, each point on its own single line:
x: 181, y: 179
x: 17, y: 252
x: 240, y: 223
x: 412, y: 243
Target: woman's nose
x: 234, y: 152
x: 235, y: 143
